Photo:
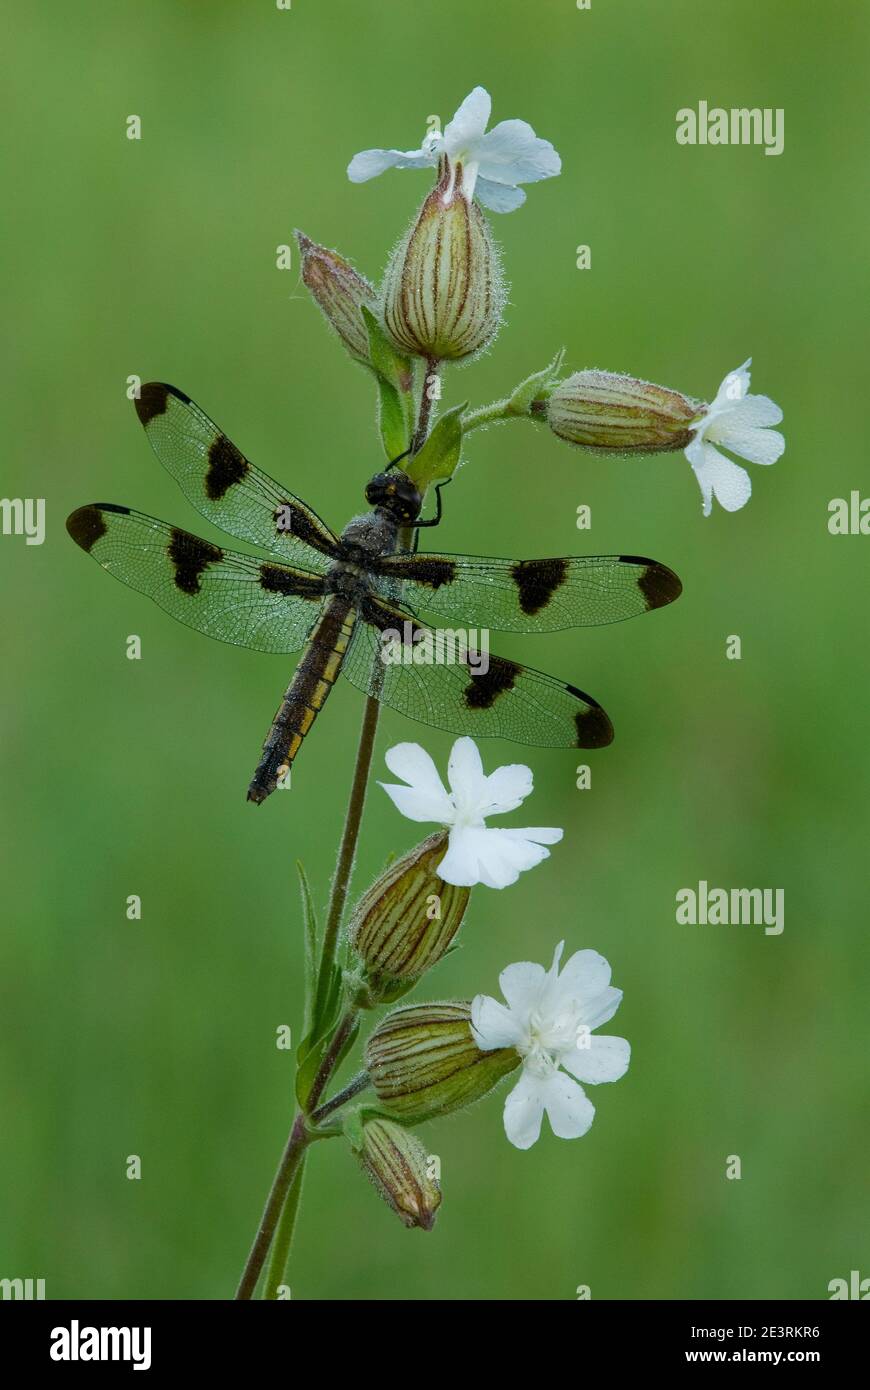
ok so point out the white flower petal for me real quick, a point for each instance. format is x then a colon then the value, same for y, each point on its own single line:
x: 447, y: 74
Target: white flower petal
x: 465, y: 775
x: 541, y: 834
x: 425, y: 798
x: 593, y: 1012
x: 523, y: 1110
x: 417, y: 805
x: 553, y: 972
x: 493, y: 1025
x: 582, y: 993
x: 584, y: 975
x: 413, y: 764
x: 695, y: 450
x: 512, y: 153
x: 756, y: 445
x: 718, y: 476
x: 498, y: 197
x: 370, y: 163
x: 460, y: 864
x: 507, y: 788
x: 522, y: 984
x: 502, y: 855
x: 734, y: 387
x: 468, y: 125
x: 569, y: 1109
x: 474, y: 858
x: 603, y: 1059
x: 754, y: 412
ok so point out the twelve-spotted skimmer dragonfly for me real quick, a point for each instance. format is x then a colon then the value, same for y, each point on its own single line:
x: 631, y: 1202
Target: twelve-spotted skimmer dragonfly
x: 352, y: 590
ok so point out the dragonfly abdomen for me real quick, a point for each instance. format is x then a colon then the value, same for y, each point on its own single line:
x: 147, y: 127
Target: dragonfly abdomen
x: 305, y: 696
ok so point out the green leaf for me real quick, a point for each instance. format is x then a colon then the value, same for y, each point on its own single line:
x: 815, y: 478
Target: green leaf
x: 395, y: 378
x: 310, y: 1051
x: 388, y: 993
x: 310, y: 926
x: 326, y: 1013
x: 307, y: 1071
x: 535, y: 387
x: 391, y: 420
x: 352, y: 1127
x: 440, y: 454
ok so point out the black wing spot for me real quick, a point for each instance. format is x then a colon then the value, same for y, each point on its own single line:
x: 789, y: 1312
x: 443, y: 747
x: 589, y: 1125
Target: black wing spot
x: 86, y: 525
x: 289, y: 517
x: 226, y: 467
x: 483, y: 690
x: 594, y: 729
x: 154, y: 398
x: 151, y: 401
x: 658, y: 584
x: 537, y: 581
x: 277, y: 580
x: 191, y: 556
x: 431, y: 571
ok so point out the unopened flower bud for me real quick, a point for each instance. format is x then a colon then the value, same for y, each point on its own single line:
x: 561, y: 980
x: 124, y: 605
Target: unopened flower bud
x: 443, y: 292
x: 406, y: 921
x: 400, y: 1169
x: 340, y: 292
x: 612, y: 414
x: 423, y: 1061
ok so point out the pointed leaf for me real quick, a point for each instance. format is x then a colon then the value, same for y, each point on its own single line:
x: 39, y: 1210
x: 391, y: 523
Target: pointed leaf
x: 536, y: 387
x: 440, y: 454
x: 309, y: 918
x: 395, y: 379
x: 352, y: 1127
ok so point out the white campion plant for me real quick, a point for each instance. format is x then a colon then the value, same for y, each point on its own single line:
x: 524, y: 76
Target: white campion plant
x: 491, y: 163
x: 740, y: 423
x: 549, y: 1019
x: 476, y: 853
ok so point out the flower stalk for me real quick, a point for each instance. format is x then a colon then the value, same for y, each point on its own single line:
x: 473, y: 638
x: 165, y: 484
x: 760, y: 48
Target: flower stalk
x: 282, y: 1191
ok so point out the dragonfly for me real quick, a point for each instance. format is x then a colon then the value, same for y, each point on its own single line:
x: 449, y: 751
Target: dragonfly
x: 351, y: 601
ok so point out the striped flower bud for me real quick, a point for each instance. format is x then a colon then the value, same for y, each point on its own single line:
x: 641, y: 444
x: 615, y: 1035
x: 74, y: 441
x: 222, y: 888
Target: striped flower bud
x: 443, y: 292
x: 339, y: 292
x: 399, y: 1167
x: 612, y: 414
x: 423, y: 1061
x: 407, y: 919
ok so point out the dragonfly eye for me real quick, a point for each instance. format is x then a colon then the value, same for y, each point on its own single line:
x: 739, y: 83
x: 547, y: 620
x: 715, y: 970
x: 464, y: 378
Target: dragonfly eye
x: 395, y: 492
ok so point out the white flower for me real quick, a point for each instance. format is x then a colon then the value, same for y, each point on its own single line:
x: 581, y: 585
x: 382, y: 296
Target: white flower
x: 474, y: 853
x: 549, y: 1020
x: 740, y: 423
x: 491, y: 164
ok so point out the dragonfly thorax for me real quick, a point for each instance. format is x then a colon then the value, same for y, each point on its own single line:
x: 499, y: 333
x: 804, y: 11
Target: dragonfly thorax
x: 373, y: 533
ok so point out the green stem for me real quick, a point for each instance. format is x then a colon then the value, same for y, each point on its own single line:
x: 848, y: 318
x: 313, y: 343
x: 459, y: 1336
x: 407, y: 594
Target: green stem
x: 290, y: 1160
x: 284, y: 1234
x: 424, y: 419
x: 489, y: 415
x: 353, y: 1088
x: 285, y: 1193
x: 331, y: 1056
x: 347, y: 851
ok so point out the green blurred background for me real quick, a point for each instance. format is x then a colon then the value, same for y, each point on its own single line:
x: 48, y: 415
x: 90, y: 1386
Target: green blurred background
x: 157, y: 258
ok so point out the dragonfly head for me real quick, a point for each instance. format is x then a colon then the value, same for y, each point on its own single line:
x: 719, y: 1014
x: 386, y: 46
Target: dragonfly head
x: 395, y: 492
